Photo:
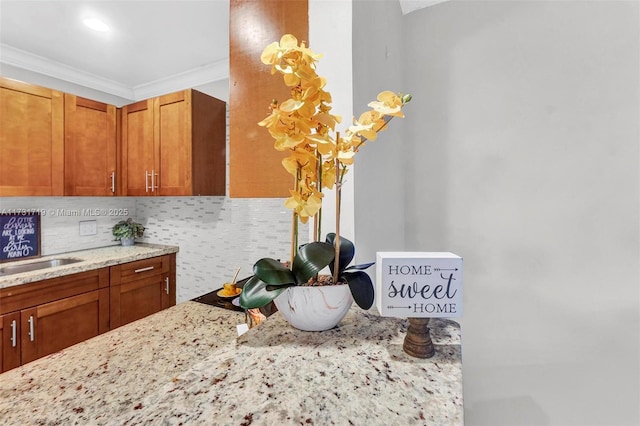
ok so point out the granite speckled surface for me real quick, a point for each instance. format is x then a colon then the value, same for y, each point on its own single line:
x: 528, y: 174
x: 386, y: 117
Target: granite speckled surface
x: 90, y: 259
x: 186, y: 365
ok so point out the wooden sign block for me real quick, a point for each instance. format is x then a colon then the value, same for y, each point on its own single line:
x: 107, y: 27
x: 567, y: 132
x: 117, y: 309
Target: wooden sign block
x: 419, y: 284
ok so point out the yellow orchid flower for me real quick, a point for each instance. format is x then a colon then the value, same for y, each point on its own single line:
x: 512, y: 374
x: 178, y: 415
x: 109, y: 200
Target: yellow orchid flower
x: 304, y: 125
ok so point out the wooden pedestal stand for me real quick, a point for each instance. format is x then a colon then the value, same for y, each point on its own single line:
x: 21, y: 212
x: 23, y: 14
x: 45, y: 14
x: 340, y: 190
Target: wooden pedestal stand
x: 418, y: 342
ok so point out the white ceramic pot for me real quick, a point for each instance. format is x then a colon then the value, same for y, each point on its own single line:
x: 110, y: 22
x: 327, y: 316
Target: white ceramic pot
x: 127, y: 241
x: 314, y: 308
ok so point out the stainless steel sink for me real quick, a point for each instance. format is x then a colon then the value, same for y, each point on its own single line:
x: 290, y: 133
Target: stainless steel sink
x: 34, y: 266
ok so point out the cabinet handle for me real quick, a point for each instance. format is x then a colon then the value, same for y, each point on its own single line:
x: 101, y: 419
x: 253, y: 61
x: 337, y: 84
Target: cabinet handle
x: 154, y: 184
x: 14, y: 334
x: 157, y: 181
x: 148, y: 268
x: 166, y: 285
x: 113, y: 182
x: 32, y: 334
x: 146, y: 181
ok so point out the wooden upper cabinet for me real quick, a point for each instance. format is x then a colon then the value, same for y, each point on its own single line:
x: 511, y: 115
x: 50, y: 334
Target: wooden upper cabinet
x: 174, y: 145
x: 31, y: 140
x: 138, y: 151
x: 255, y: 167
x: 90, y: 147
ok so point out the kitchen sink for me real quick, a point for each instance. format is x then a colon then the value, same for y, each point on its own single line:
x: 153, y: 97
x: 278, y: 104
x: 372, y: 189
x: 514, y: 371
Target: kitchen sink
x: 34, y: 266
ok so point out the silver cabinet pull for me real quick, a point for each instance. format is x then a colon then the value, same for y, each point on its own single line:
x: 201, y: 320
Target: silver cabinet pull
x: 148, y: 268
x: 146, y: 181
x: 166, y: 285
x: 14, y: 334
x: 154, y: 183
x: 32, y: 334
x: 113, y: 182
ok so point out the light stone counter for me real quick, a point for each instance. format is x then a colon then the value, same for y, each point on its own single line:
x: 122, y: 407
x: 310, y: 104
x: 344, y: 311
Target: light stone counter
x: 185, y: 365
x: 90, y: 259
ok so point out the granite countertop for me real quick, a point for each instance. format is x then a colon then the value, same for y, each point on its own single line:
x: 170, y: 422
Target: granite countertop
x: 186, y: 365
x: 89, y: 259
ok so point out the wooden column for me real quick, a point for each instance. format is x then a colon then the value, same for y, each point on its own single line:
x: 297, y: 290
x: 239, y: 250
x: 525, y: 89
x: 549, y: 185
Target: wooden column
x: 255, y: 166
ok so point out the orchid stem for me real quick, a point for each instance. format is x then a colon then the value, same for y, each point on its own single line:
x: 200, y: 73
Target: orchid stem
x: 336, y: 242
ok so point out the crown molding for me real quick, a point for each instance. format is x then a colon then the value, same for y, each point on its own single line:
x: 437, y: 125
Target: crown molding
x: 206, y: 74
x: 21, y: 59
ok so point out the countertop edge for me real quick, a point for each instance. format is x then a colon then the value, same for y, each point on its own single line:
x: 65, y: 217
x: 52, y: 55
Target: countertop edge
x: 90, y: 259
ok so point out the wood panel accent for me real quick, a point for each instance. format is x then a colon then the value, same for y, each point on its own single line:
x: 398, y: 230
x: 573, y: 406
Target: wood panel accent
x: 255, y: 166
x: 90, y: 147
x: 31, y: 140
x: 25, y: 296
x: 209, y: 145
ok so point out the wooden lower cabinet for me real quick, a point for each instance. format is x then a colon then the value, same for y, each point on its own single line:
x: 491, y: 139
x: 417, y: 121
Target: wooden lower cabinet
x: 46, y: 316
x: 43, y: 317
x: 139, y: 289
x: 57, y: 325
x: 10, y: 343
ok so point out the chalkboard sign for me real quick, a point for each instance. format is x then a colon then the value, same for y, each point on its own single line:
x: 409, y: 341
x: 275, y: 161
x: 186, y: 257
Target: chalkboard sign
x: 19, y: 237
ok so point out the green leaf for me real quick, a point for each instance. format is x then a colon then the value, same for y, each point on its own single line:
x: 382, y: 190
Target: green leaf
x: 347, y: 251
x: 273, y: 272
x: 255, y: 294
x: 361, y: 288
x: 311, y: 259
x: 360, y: 267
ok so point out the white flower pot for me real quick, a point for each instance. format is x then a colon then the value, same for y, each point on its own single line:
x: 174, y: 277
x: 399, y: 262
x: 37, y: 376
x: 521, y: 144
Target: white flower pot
x: 314, y: 308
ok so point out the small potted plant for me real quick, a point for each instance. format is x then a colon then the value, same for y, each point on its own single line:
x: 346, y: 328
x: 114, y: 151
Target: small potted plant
x: 126, y: 231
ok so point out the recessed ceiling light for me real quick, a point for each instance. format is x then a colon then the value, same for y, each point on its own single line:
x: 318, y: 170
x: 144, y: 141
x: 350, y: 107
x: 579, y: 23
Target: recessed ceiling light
x: 96, y: 24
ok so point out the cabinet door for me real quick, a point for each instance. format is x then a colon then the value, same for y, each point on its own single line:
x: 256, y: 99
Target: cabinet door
x: 135, y: 300
x: 31, y: 140
x: 90, y: 147
x: 173, y: 138
x: 139, y: 288
x: 139, y: 174
x: 57, y: 325
x: 10, y: 341
x: 169, y: 291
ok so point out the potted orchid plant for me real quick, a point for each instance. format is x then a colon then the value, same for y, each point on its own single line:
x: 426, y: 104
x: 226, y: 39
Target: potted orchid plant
x: 318, y: 158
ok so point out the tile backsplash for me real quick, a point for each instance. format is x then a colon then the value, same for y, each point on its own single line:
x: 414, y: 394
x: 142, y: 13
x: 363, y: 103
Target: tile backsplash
x: 60, y: 219
x: 216, y: 235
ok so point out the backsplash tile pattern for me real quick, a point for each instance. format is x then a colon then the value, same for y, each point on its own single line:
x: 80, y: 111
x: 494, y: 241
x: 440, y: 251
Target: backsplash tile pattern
x: 216, y: 235
x: 60, y: 219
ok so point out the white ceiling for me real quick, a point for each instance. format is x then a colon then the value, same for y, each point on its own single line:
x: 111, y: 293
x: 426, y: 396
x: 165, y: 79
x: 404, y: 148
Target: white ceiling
x: 154, y: 47
x: 152, y: 44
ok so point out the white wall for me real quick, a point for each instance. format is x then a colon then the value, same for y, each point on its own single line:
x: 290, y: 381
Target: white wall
x: 380, y: 179
x: 330, y: 35
x: 523, y: 157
